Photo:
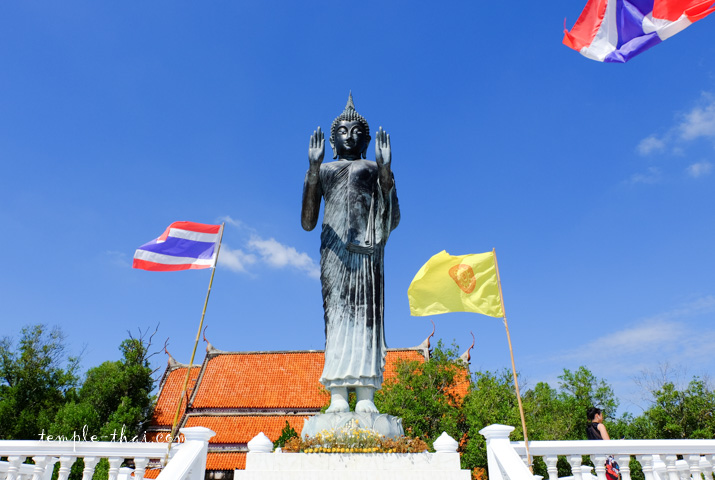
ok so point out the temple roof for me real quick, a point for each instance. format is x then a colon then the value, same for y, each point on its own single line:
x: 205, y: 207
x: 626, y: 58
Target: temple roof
x: 169, y: 389
x: 240, y: 394
x: 261, y: 380
x: 241, y: 382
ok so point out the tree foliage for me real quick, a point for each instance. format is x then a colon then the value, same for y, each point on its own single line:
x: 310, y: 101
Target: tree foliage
x: 36, y: 379
x: 40, y: 391
x: 287, y: 433
x: 678, y: 414
x: 426, y: 395
x: 115, y: 398
x: 431, y: 398
x: 579, y: 391
x: 491, y: 399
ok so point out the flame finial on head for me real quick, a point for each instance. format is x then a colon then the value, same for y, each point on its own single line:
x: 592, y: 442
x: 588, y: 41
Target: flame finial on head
x: 350, y: 103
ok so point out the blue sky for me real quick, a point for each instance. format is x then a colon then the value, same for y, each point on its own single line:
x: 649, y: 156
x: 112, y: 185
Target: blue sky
x: 594, y: 182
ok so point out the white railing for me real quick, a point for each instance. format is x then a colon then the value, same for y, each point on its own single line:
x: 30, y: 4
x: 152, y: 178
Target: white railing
x: 658, y: 458
x: 187, y: 460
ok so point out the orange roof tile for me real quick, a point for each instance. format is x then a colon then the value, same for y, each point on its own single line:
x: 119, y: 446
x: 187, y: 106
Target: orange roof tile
x: 262, y: 380
x: 272, y: 379
x: 152, y: 473
x: 393, y: 356
x: 225, y: 461
x: 463, y: 381
x: 169, y: 396
x: 242, y: 428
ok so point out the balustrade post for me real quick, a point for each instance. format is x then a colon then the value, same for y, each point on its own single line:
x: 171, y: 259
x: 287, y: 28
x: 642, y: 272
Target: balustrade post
x: 575, y: 462
x: 671, y: 468
x: 711, y: 466
x: 624, y: 464
x: 89, y: 464
x: 646, y: 462
x: 551, y: 468
x: 65, y: 465
x: 13, y: 470
x: 40, y: 464
x: 683, y: 470
x: 200, y: 434
x: 495, y: 434
x: 50, y: 468
x: 694, y: 464
x: 599, y: 464
x: 114, y: 464
x: 140, y: 468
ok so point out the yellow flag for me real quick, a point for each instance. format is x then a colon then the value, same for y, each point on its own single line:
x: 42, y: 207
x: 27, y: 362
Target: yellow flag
x: 466, y: 283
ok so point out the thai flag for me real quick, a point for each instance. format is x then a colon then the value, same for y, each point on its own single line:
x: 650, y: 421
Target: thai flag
x: 183, y: 246
x: 618, y: 30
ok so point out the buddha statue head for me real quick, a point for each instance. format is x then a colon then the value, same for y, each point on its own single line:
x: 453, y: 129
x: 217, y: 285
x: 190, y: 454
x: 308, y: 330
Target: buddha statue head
x: 350, y: 134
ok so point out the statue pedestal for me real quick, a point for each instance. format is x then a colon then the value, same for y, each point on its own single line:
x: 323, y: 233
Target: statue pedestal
x: 263, y: 465
x: 352, y: 466
x: 385, y: 425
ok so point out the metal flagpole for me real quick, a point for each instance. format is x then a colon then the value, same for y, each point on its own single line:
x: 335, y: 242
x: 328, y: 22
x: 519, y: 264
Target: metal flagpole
x: 513, y: 366
x: 193, y: 353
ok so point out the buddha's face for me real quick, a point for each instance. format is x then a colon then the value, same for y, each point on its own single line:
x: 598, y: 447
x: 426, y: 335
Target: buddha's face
x: 351, y: 140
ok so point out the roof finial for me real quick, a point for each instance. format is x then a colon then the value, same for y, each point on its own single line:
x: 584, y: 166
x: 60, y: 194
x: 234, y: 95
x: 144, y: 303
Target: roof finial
x: 172, y: 360
x: 209, y: 348
x: 426, y: 343
x: 466, y: 356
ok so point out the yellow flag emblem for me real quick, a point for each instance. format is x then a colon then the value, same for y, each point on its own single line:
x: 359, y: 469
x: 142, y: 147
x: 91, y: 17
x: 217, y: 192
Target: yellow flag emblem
x: 466, y: 283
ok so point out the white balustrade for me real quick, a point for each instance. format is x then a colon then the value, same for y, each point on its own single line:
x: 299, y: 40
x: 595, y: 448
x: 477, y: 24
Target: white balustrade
x: 187, y: 460
x: 658, y: 458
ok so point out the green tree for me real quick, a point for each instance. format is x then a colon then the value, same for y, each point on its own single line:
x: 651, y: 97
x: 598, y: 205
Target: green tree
x: 679, y: 414
x: 492, y: 399
x: 113, y: 404
x: 35, y: 381
x: 115, y: 400
x: 550, y: 414
x: 580, y: 390
x: 287, y: 433
x: 427, y: 395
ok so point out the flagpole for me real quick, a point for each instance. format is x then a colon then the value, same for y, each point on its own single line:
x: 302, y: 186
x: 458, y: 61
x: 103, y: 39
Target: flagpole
x: 193, y: 353
x: 513, y: 367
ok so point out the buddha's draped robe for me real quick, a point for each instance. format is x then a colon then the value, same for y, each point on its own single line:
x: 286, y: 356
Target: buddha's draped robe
x: 357, y: 221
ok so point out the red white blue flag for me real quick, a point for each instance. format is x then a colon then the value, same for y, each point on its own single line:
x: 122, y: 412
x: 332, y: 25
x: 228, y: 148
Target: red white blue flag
x: 618, y: 30
x: 183, y: 246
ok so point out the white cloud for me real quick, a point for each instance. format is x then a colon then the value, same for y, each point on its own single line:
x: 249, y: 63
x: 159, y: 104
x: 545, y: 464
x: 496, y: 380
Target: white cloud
x: 278, y: 255
x: 260, y: 251
x: 699, y: 169
x: 696, y: 123
x: 666, y: 337
x: 232, y: 221
x: 120, y: 259
x: 650, y: 144
x: 700, y: 121
x: 236, y: 260
x: 649, y: 177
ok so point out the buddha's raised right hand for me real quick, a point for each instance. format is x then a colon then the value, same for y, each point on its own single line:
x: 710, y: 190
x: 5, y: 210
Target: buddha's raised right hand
x: 316, y: 150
